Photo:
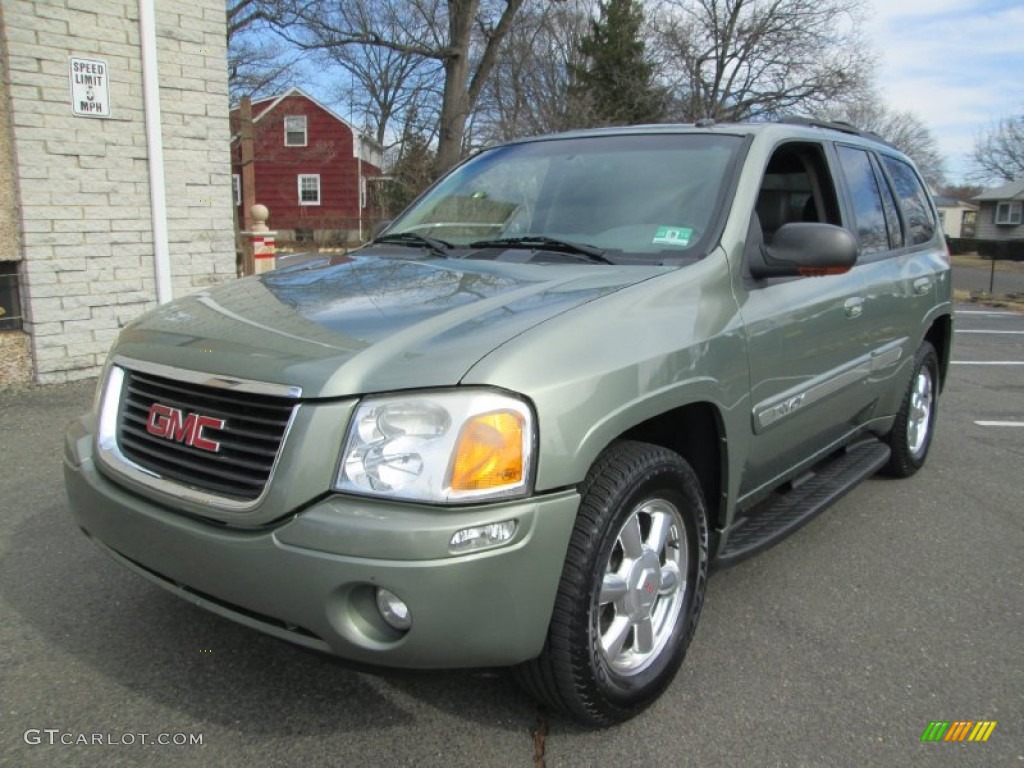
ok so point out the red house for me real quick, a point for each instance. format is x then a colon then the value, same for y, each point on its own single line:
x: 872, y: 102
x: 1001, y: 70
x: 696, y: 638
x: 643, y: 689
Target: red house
x: 311, y: 169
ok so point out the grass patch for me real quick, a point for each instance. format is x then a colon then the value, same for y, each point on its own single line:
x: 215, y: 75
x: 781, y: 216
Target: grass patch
x: 975, y: 261
x: 1012, y: 301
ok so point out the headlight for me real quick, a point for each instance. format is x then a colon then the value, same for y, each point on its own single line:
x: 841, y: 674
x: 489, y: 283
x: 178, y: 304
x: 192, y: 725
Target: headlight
x: 455, y: 446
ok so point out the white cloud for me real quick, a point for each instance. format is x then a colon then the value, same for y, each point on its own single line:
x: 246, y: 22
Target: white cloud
x: 956, y: 68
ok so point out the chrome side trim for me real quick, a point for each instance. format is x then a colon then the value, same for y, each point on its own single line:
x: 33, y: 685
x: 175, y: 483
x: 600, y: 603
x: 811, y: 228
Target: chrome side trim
x: 109, y: 452
x: 887, y: 356
x: 769, y: 412
x: 779, y: 407
x: 209, y: 379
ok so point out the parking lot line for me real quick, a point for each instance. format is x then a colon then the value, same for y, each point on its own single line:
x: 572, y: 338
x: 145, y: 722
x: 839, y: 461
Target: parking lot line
x: 985, y: 312
x: 1000, y: 423
x: 989, y: 331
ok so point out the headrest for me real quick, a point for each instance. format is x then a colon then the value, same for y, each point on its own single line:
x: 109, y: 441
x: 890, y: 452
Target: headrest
x: 773, y: 208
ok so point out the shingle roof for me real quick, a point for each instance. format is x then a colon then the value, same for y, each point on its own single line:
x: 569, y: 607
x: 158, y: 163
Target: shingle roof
x: 942, y: 201
x: 1012, y: 191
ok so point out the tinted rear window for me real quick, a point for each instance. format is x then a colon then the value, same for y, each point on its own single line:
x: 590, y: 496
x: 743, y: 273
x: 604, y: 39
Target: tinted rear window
x: 867, y: 201
x: 917, y: 211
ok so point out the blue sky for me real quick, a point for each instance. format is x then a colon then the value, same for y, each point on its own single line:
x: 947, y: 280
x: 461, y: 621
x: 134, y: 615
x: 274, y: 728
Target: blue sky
x: 956, y: 64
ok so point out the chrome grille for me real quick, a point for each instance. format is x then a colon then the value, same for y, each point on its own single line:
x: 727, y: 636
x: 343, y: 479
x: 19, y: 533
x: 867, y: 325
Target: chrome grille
x: 254, y: 428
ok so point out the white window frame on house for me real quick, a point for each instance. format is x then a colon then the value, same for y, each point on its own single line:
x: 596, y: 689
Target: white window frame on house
x: 295, y: 124
x: 236, y: 188
x: 315, y: 177
x: 1008, y: 213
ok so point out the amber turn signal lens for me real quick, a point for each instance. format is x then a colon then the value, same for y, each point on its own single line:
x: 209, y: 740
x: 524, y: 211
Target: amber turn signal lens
x: 489, y: 453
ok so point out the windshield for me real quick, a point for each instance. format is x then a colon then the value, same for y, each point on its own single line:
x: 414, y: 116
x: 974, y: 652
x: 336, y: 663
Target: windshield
x: 635, y: 195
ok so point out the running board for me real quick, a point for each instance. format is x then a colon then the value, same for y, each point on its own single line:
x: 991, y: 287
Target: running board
x: 783, y: 512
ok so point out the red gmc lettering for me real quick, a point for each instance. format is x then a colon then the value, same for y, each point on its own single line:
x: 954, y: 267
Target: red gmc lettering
x: 172, y: 424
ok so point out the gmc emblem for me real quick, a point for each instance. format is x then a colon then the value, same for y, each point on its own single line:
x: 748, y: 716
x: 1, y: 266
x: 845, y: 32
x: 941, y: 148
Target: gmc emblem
x: 172, y: 424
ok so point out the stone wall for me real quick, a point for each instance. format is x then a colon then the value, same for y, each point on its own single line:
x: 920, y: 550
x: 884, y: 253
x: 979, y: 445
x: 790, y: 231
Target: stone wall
x: 15, y: 360
x: 87, y: 236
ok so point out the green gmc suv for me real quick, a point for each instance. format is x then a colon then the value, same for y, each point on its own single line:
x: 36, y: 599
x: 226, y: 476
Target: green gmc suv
x: 518, y: 427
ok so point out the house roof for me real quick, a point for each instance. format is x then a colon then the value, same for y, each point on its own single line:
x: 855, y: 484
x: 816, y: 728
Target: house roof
x: 265, y: 106
x: 943, y: 201
x: 1012, y: 191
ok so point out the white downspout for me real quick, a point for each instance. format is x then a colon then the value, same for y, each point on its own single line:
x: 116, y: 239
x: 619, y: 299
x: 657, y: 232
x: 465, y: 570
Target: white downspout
x: 155, y: 150
x: 358, y: 189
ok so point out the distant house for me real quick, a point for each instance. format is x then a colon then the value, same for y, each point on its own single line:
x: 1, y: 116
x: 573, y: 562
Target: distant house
x: 1001, y: 213
x: 312, y: 169
x: 959, y: 218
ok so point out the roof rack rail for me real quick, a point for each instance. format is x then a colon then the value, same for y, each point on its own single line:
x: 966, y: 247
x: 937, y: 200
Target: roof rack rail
x: 836, y: 125
x: 813, y: 122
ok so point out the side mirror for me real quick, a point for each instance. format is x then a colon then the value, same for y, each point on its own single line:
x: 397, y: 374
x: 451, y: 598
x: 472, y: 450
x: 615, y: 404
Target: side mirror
x: 807, y: 249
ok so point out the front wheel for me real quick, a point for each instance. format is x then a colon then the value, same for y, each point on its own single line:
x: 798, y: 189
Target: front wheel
x: 631, y: 590
x: 911, y: 435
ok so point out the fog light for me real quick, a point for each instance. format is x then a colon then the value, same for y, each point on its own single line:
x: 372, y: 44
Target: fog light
x: 482, y: 536
x: 393, y: 610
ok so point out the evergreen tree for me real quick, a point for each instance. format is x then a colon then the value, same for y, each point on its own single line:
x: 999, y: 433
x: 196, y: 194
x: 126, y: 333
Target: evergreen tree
x: 612, y: 82
x: 412, y: 173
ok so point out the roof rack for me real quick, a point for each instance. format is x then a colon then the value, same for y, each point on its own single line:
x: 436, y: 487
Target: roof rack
x: 835, y: 125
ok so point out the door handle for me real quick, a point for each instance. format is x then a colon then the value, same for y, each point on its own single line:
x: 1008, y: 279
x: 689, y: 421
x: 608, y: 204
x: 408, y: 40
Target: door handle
x: 922, y: 285
x: 854, y: 307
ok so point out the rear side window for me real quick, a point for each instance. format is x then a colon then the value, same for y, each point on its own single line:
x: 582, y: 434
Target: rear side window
x: 892, y: 211
x: 913, y: 199
x: 867, y: 200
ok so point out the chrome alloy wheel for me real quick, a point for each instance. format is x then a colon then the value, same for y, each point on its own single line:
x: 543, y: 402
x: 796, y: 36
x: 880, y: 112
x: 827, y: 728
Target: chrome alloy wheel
x: 644, y: 587
x: 919, y: 422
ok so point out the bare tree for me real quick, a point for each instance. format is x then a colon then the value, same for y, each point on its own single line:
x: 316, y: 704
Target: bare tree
x: 528, y: 91
x: 962, y: 191
x: 751, y: 59
x: 903, y: 129
x: 463, y: 36
x: 259, y: 67
x: 999, y: 151
x: 258, y: 63
x: 243, y: 14
x: 389, y: 87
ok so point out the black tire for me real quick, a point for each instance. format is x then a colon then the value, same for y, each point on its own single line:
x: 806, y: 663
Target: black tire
x: 601, y: 684
x: 911, y: 435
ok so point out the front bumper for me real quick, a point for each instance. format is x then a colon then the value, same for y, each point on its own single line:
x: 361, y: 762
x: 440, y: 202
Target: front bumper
x: 311, y: 579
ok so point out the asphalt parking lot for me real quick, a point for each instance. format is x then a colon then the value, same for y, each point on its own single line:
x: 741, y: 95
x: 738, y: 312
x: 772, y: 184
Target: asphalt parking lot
x: 901, y: 605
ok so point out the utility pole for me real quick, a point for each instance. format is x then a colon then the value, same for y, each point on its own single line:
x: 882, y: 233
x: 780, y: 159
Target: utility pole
x: 248, y: 179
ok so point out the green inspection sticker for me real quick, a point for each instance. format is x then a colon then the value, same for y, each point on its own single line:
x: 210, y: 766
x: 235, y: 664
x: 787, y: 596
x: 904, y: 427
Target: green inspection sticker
x: 673, y: 236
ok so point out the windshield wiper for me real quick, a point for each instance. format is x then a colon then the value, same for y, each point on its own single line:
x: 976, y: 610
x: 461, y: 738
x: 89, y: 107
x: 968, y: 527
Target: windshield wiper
x: 435, y: 246
x: 544, y: 243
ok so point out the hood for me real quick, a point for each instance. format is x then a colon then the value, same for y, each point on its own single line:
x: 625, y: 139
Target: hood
x: 357, y: 324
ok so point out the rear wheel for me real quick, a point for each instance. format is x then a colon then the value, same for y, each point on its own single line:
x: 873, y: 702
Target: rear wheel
x: 631, y: 590
x: 911, y: 435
